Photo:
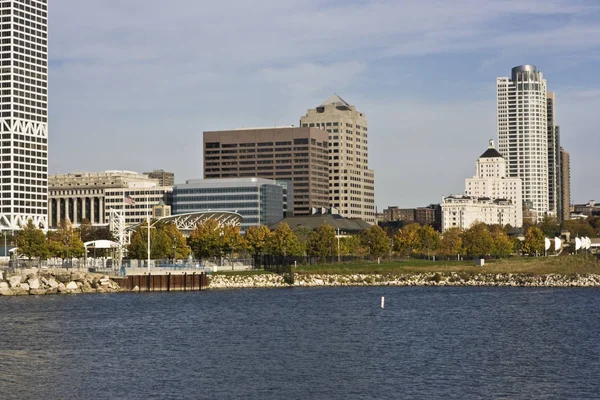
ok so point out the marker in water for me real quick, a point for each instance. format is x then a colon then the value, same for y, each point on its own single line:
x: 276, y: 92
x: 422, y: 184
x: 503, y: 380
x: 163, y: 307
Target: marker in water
x: 382, y: 302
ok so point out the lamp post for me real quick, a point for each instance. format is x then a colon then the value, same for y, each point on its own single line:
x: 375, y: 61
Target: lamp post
x: 338, y: 244
x: 174, y: 253
x: 5, y: 247
x: 68, y: 242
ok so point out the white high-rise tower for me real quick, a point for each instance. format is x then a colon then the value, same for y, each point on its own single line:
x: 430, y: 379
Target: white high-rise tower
x: 24, y: 113
x: 523, y: 133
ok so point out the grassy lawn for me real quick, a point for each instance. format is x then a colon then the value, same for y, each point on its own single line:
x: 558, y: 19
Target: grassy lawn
x: 522, y: 265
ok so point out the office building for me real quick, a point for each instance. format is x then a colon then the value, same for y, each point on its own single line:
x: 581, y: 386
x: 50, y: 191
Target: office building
x: 24, y: 113
x: 461, y: 211
x: 351, y: 182
x: 91, y: 196
x: 564, y: 211
x: 259, y: 201
x: 164, y: 178
x: 523, y: 133
x: 298, y: 155
x: 491, y: 181
x: 430, y: 215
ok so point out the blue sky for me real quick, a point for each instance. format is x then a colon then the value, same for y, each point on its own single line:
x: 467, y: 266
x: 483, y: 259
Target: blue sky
x: 134, y: 84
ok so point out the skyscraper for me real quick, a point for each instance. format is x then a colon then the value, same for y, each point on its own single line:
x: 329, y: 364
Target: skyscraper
x: 564, y: 212
x: 351, y: 182
x: 24, y: 113
x: 553, y: 155
x: 523, y: 132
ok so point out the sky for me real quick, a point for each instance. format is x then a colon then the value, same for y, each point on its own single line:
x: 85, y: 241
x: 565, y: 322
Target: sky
x: 133, y: 84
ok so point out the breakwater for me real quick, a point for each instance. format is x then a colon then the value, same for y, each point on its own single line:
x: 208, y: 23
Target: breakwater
x: 424, y: 279
x: 40, y: 282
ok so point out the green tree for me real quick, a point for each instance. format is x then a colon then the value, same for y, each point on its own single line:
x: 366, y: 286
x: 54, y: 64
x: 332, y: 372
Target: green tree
x: 205, y: 240
x: 177, y: 244
x: 160, y: 243
x: 302, y: 234
x: 65, y: 242
x: 550, y: 226
x: 451, y: 243
x: 322, y: 242
x: 407, y: 240
x: 503, y: 245
x: 376, y: 241
x: 352, y: 246
x: 477, y: 240
x: 580, y: 227
x: 429, y: 239
x: 534, y: 243
x: 257, y: 238
x: 31, y: 242
x: 283, y: 242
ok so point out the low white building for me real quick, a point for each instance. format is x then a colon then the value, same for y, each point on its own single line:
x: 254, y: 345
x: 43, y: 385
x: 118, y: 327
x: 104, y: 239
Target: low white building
x: 461, y: 211
x: 491, y: 181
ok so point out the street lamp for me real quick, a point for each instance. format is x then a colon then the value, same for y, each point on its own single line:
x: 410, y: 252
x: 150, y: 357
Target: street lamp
x: 68, y: 242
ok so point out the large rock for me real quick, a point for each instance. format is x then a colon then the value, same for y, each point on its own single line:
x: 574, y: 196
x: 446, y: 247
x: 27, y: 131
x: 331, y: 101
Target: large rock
x: 14, y: 281
x: 52, y: 283
x: 71, y: 286
x: 34, y: 283
x: 61, y: 288
x: 37, y: 291
x: 1, y: 276
x: 7, y: 292
x: 52, y: 291
x: 25, y: 286
x: 78, y: 276
x: 4, y: 286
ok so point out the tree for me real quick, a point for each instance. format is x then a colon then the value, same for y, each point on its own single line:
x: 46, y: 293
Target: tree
x: 550, y: 226
x: 429, y: 239
x: 205, y: 240
x: 302, y: 234
x: 534, y: 243
x: 477, y: 240
x: 376, y: 241
x: 283, y: 242
x: 352, y: 246
x: 88, y: 232
x: 176, y: 241
x: 322, y: 242
x: 407, y: 240
x: 257, y: 238
x: 231, y: 241
x: 31, y: 242
x: 65, y: 242
x: 451, y: 243
x: 160, y: 243
x: 503, y: 245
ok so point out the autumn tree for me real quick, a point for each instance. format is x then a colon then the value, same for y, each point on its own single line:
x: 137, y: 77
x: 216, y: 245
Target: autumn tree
x: 177, y: 244
x: 351, y: 246
x: 534, y: 243
x: 477, y: 240
x: 231, y: 241
x: 205, y: 240
x: 31, y: 242
x: 503, y: 245
x: 376, y: 241
x: 550, y: 226
x: 283, y: 242
x: 451, y: 243
x: 160, y: 243
x: 257, y: 238
x: 65, y: 242
x: 429, y: 239
x: 322, y: 242
x: 407, y: 240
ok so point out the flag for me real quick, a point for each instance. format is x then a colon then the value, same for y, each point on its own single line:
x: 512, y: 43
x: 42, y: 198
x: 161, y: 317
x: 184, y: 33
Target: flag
x: 129, y: 200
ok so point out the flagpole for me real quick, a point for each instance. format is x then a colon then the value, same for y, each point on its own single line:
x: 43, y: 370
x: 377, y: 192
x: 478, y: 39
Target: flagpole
x: 148, y: 223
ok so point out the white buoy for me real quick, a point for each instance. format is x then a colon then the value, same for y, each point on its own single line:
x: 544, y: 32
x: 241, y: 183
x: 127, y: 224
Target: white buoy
x: 382, y: 302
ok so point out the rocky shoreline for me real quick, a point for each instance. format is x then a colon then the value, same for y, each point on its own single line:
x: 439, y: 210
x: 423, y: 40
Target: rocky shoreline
x: 425, y: 279
x: 41, y: 282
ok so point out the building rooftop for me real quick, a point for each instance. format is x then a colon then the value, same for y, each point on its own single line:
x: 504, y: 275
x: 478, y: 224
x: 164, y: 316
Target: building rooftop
x: 346, y: 225
x: 491, y: 152
x: 336, y: 101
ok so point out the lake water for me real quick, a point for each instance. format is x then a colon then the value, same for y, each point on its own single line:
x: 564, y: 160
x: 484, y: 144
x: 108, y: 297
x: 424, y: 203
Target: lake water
x: 304, y: 343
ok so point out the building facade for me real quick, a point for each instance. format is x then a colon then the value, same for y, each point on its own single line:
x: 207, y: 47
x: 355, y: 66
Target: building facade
x: 24, y: 113
x: 91, y: 196
x: 523, y: 132
x: 553, y: 155
x: 462, y: 212
x: 429, y: 215
x: 565, y: 186
x: 259, y: 201
x: 297, y: 155
x: 491, y: 181
x: 164, y: 178
x: 351, y: 182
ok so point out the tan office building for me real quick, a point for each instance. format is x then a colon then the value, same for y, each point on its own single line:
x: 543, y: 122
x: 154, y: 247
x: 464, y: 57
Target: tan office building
x: 351, y: 182
x: 298, y: 155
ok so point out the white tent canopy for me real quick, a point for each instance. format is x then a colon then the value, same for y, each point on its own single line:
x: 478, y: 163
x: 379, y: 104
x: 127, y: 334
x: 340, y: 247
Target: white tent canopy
x: 101, y: 244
